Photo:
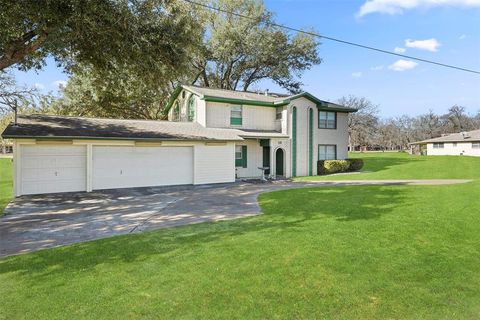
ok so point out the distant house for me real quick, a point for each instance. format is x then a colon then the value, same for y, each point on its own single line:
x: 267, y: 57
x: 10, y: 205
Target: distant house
x: 211, y: 136
x: 456, y: 144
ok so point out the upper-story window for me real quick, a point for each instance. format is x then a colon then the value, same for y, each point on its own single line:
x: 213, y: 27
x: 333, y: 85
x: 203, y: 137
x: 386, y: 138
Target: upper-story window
x: 191, y: 108
x: 327, y: 120
x: 236, y: 115
x: 438, y: 145
x: 176, y: 112
x: 278, y: 115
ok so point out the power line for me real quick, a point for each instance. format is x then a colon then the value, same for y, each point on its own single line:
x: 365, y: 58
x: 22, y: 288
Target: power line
x: 335, y: 39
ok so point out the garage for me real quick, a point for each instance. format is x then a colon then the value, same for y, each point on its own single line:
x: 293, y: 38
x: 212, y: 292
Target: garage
x: 127, y: 167
x: 52, y: 168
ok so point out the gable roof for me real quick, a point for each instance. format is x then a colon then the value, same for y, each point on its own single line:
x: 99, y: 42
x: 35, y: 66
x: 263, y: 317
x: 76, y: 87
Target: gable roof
x: 252, y: 98
x: 41, y: 126
x: 470, y: 136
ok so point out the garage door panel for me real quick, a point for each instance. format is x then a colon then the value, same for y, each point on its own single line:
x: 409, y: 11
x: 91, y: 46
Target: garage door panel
x: 123, y: 167
x: 49, y: 169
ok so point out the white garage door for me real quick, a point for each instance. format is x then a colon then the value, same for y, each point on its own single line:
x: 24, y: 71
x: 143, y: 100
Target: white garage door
x: 52, y: 168
x: 126, y: 167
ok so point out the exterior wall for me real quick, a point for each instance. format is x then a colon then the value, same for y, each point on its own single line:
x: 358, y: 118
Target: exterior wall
x: 302, y: 140
x: 462, y: 148
x: 254, y: 159
x: 213, y: 162
x: 253, y: 117
x: 338, y: 137
x: 284, y: 144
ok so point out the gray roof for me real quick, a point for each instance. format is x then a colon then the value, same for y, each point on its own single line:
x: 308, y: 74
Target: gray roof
x: 260, y: 134
x: 455, y: 137
x: 47, y: 126
x: 243, y: 95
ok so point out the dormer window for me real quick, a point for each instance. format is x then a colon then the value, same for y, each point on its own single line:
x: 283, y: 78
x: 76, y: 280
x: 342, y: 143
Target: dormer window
x: 191, y: 108
x: 176, y: 112
x: 236, y: 115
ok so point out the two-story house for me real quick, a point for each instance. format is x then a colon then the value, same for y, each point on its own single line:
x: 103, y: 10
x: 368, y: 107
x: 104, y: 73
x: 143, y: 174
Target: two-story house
x: 211, y: 136
x: 285, y: 133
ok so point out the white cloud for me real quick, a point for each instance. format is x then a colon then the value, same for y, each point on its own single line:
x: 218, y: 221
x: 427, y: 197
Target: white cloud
x: 399, y: 6
x: 463, y: 36
x: 357, y: 74
x: 59, y: 84
x: 376, y: 68
x: 39, y: 86
x: 399, y: 50
x: 428, y: 44
x: 402, y: 65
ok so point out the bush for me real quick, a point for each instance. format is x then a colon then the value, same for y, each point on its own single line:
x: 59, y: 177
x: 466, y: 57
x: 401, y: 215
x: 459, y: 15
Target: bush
x: 334, y: 166
x: 355, y: 164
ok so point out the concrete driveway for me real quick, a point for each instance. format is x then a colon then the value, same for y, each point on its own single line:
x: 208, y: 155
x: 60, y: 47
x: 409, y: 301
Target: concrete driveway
x: 36, y: 222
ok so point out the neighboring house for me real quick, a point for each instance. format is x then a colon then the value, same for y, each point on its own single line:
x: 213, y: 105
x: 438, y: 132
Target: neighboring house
x: 211, y: 136
x: 463, y: 143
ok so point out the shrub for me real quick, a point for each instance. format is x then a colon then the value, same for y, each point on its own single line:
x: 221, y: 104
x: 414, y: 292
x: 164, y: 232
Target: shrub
x: 333, y: 166
x: 355, y: 164
x: 321, y: 168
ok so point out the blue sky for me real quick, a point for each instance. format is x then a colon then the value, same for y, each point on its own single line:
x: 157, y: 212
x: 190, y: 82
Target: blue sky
x: 448, y: 32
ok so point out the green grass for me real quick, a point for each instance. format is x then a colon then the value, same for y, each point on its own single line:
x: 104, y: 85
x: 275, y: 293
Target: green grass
x: 376, y: 252
x: 5, y: 182
x: 400, y: 165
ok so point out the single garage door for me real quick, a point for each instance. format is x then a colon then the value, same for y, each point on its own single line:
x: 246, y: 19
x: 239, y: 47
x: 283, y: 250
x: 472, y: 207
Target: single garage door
x: 127, y: 167
x: 52, y: 168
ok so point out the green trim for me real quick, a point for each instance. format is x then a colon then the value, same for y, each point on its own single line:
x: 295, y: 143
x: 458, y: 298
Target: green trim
x: 171, y: 100
x: 294, y: 142
x: 264, y: 142
x: 191, y: 108
x: 310, y: 142
x: 244, y: 102
x: 244, y: 156
x: 236, y: 121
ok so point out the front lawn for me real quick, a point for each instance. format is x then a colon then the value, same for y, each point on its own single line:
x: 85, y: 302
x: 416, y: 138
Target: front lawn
x: 401, y: 165
x: 5, y: 183
x: 376, y: 252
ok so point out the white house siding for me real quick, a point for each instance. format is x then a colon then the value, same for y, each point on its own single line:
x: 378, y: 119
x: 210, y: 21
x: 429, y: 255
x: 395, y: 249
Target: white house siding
x: 338, y: 137
x: 213, y: 162
x: 303, y: 105
x: 254, y: 159
x: 449, y: 149
x: 253, y: 117
x: 200, y: 112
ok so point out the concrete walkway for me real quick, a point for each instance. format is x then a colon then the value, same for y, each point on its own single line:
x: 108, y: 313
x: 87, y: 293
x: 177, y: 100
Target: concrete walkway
x: 36, y: 222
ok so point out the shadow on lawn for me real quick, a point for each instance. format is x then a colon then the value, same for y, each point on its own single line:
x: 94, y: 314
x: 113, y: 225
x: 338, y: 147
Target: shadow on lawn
x: 284, y: 211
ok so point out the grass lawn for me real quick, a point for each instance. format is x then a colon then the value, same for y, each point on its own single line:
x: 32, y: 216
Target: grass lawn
x: 375, y: 252
x: 5, y: 182
x: 401, y: 165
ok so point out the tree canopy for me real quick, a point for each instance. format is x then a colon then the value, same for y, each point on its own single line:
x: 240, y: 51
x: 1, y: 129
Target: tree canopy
x: 151, y: 36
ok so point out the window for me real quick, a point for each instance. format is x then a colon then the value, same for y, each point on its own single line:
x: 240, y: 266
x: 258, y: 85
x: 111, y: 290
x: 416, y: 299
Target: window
x: 438, y: 145
x: 236, y: 115
x: 327, y: 152
x: 176, y: 112
x: 475, y: 145
x: 278, y: 116
x: 327, y: 120
x: 454, y: 144
x: 241, y: 156
x: 191, y: 108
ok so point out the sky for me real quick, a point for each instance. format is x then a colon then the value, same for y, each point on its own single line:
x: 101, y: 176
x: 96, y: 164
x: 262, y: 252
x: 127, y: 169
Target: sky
x: 447, y: 31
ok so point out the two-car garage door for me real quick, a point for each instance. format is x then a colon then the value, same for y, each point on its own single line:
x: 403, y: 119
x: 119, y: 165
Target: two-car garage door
x: 63, y: 168
x: 123, y: 167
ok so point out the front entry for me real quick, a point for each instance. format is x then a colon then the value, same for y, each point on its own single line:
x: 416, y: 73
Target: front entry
x: 279, y: 159
x: 266, y: 159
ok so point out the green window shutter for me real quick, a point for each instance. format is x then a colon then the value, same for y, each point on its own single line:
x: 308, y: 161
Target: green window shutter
x: 238, y: 162
x: 236, y: 121
x: 310, y: 142
x: 294, y: 142
x: 244, y: 156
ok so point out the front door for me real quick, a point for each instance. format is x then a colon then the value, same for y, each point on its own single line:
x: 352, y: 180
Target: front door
x: 279, y: 156
x: 266, y: 159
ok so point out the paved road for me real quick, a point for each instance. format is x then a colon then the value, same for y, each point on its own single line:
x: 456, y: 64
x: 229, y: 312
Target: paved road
x: 37, y: 222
